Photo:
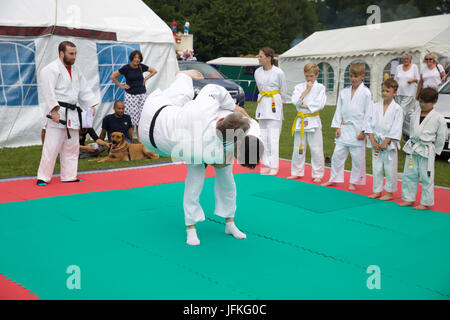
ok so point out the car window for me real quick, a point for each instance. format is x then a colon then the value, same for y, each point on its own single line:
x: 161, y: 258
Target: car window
x: 445, y: 89
x: 208, y: 71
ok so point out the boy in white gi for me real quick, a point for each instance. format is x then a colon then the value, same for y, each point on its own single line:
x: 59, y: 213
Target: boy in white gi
x: 65, y: 92
x: 384, y: 127
x: 174, y: 125
x: 353, y: 106
x: 309, y: 98
x: 428, y: 131
x: 271, y: 83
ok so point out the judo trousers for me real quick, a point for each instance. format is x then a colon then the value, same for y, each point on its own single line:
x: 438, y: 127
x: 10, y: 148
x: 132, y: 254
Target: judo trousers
x: 384, y: 164
x: 56, y: 142
x: 410, y: 181
x: 270, y: 136
x: 314, y: 140
x: 340, y: 154
x: 224, y: 193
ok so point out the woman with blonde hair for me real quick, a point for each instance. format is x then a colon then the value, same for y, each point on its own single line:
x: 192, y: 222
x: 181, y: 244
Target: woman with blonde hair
x: 431, y: 75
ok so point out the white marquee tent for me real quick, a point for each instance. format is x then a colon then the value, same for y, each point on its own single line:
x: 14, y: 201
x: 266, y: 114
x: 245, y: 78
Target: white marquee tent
x: 376, y: 45
x: 104, y: 31
x: 235, y: 61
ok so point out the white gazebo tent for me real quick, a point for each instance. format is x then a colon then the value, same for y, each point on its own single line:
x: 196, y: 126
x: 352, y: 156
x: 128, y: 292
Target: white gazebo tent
x: 376, y: 45
x: 104, y: 31
x: 241, y: 70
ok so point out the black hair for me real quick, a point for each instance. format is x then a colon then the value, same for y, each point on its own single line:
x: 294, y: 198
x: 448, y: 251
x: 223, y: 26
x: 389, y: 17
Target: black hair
x: 250, y: 152
x: 134, y: 53
x: 62, y: 46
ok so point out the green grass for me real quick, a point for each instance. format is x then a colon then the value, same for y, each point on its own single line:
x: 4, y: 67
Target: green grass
x: 24, y: 161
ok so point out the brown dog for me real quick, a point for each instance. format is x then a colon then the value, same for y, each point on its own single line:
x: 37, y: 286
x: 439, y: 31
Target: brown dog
x: 123, y: 151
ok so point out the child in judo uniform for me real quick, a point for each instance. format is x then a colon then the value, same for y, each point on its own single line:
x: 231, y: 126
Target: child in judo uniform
x: 384, y: 128
x: 309, y: 98
x: 353, y: 107
x: 428, y: 131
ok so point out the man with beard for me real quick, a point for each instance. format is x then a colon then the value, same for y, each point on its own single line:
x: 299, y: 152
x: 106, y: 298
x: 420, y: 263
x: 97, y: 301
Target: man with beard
x: 65, y: 92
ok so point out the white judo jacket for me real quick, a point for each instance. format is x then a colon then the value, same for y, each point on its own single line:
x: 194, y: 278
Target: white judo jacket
x: 186, y: 129
x: 427, y: 138
x: 57, y: 85
x: 385, y: 126
x: 315, y: 101
x: 273, y: 79
x: 353, y: 112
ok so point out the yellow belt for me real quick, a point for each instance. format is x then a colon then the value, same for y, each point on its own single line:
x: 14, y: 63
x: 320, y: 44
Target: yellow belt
x: 302, y: 115
x: 269, y: 94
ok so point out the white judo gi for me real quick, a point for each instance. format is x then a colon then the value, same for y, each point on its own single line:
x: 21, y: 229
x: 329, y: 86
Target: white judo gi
x: 426, y: 140
x: 187, y: 129
x: 315, y: 101
x: 58, y: 85
x: 350, y: 116
x: 269, y: 111
x: 382, y: 126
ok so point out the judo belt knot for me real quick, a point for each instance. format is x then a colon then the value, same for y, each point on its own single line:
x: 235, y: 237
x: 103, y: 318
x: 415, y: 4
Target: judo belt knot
x: 269, y: 94
x: 71, y: 107
x: 302, y: 116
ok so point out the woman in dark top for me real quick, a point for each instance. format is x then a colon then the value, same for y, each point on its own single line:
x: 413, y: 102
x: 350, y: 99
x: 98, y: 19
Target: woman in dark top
x: 135, y: 91
x: 91, y: 150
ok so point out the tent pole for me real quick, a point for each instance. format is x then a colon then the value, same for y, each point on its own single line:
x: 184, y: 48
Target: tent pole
x: 339, y: 80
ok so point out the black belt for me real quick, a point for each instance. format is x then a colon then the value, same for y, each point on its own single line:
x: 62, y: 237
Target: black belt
x: 71, y: 107
x: 152, y: 126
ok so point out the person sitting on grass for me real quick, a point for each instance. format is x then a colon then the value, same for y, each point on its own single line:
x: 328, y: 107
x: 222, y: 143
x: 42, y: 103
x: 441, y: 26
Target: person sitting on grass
x: 91, y: 150
x: 118, y: 121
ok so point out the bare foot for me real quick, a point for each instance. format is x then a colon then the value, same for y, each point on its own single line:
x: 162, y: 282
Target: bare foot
x: 327, y: 184
x: 265, y: 170
x: 421, y: 207
x: 273, y: 172
x: 194, y: 74
x: 387, y: 196
x: 405, y: 204
x: 351, y: 186
x: 293, y: 177
x: 317, y: 180
x: 375, y: 195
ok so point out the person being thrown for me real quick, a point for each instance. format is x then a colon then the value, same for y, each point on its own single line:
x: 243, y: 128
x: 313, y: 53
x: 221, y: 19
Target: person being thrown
x: 209, y: 130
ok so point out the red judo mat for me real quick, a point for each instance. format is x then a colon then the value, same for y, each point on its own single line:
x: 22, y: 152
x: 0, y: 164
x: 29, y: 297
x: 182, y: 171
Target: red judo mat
x: 26, y: 189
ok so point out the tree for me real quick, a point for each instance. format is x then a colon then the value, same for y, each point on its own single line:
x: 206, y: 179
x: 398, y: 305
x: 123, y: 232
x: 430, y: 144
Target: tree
x: 233, y: 27
x: 348, y: 13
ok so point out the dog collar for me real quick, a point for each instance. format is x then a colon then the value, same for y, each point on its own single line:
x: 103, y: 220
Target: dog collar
x: 124, y: 149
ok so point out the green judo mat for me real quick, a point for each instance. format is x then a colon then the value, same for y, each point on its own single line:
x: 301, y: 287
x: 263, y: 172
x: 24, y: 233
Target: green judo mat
x: 303, y: 242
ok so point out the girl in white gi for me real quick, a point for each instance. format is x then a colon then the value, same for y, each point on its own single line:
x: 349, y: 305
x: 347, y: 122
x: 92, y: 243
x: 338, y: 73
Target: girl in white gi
x: 272, y: 88
x: 65, y: 91
x: 172, y: 125
x: 384, y: 127
x: 428, y: 132
x: 352, y: 109
x: 309, y: 98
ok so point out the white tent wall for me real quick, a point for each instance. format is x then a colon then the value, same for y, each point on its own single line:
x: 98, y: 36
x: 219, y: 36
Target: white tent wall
x: 30, y: 119
x: 296, y: 75
x: 157, y: 47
